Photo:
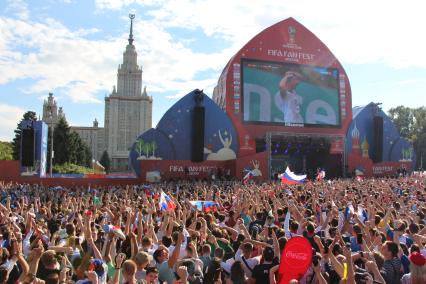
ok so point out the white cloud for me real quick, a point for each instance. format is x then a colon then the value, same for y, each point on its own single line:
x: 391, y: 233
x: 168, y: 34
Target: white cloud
x: 118, y: 4
x: 183, y: 88
x: 9, y: 118
x: 358, y: 32
x: 409, y: 82
x: 66, y: 62
x: 69, y: 63
x: 19, y: 8
x: 57, y: 58
x: 169, y: 64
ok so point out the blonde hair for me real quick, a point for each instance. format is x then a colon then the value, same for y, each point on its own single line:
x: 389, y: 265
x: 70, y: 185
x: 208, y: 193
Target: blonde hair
x: 418, y: 274
x: 129, y: 267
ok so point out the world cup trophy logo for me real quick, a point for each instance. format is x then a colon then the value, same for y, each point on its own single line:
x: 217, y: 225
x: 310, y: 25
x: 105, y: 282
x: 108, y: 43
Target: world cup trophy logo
x: 292, y: 34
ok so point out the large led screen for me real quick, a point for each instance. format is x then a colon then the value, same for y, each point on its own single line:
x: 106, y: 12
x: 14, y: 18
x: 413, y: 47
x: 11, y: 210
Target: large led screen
x: 290, y: 94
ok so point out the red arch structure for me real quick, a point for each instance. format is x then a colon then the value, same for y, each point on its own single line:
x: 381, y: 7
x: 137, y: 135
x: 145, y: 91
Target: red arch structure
x: 278, y: 50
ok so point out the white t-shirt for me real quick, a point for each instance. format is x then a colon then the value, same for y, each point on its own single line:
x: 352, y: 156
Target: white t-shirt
x: 182, y: 252
x: 151, y: 250
x: 251, y: 262
x: 406, y: 279
x: 290, y: 106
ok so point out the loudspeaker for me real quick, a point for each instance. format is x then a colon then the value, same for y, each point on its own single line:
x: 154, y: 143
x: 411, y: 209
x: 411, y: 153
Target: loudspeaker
x: 198, y: 134
x: 28, y: 147
x: 378, y: 139
x: 261, y: 145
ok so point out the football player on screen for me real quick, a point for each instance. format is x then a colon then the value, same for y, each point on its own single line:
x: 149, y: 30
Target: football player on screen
x: 290, y: 100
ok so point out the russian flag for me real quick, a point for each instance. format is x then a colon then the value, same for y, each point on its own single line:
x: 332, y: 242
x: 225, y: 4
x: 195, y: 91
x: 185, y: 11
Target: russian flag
x: 115, y: 229
x: 248, y: 177
x: 288, y: 177
x: 362, y: 213
x: 206, y: 206
x: 148, y: 190
x: 166, y: 203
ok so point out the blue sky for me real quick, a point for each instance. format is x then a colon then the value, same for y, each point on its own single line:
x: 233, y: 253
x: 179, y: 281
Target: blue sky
x: 73, y: 47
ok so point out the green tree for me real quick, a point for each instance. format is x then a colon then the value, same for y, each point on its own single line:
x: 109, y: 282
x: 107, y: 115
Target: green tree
x: 105, y: 161
x: 411, y: 123
x: 74, y: 149
x: 402, y: 118
x: 87, y: 162
x: 79, y: 151
x: 419, y: 135
x: 61, y: 142
x: 16, y: 144
x: 68, y: 147
x: 6, y: 151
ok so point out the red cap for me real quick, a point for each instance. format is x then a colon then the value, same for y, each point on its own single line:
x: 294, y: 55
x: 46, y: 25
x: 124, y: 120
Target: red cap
x: 417, y: 259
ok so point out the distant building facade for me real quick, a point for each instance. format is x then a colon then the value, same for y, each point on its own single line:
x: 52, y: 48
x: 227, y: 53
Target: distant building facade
x: 128, y: 113
x: 51, y: 112
x: 94, y: 137
x: 128, y: 110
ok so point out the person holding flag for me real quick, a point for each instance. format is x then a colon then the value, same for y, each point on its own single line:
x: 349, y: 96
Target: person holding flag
x: 248, y: 177
x: 289, y: 177
x: 166, y: 203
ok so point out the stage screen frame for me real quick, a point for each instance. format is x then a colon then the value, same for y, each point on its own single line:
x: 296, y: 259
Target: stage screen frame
x: 288, y: 65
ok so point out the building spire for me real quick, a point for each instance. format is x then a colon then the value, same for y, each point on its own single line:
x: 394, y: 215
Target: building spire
x: 131, y: 16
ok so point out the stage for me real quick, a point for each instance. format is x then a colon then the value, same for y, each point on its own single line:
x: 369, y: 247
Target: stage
x: 305, y: 153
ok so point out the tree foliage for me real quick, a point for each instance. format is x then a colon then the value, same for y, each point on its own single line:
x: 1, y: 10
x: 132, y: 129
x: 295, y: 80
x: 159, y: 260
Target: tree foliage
x: 402, y: 117
x: 16, y: 144
x: 105, y: 161
x: 411, y: 124
x: 62, y: 142
x: 87, y: 161
x: 69, y: 168
x: 68, y: 147
x: 6, y: 151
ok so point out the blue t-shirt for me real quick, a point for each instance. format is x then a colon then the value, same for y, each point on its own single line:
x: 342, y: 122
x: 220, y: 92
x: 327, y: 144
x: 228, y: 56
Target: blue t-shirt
x: 165, y: 273
x: 405, y: 261
x: 246, y: 219
x: 355, y: 247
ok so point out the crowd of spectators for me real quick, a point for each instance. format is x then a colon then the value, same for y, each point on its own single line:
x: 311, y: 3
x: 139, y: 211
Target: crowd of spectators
x: 361, y: 231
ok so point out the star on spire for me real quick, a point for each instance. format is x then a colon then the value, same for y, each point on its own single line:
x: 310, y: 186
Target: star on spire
x: 131, y: 17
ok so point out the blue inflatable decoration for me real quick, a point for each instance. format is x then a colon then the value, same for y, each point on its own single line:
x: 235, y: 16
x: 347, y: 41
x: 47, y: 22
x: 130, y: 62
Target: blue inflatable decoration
x: 172, y: 138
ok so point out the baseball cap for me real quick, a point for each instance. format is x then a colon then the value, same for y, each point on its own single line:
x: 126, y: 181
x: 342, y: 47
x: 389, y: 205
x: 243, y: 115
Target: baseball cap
x: 417, y: 259
x: 97, y: 266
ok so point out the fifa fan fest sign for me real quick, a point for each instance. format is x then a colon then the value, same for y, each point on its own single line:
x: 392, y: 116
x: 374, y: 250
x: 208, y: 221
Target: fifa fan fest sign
x: 158, y: 170
x: 285, y: 79
x: 295, y: 259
